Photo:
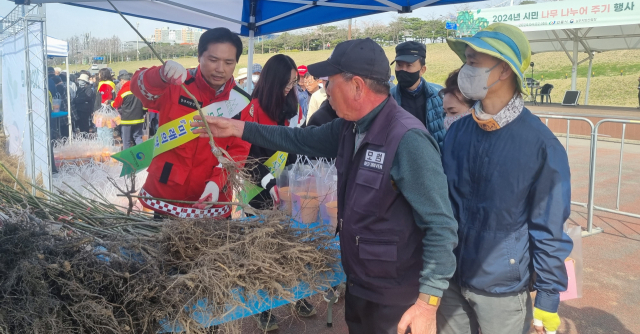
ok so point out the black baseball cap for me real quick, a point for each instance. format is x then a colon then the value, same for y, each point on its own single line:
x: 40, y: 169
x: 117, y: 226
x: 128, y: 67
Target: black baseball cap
x: 410, y: 52
x: 362, y: 57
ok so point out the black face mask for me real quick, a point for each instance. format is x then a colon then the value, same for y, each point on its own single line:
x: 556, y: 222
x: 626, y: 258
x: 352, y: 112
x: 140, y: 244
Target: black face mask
x: 407, y: 79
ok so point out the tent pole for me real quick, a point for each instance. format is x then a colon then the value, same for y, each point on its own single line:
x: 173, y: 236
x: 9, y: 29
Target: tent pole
x: 574, y: 69
x: 250, y: 64
x: 69, y: 98
x: 252, y: 29
x: 32, y: 157
x: 586, y: 95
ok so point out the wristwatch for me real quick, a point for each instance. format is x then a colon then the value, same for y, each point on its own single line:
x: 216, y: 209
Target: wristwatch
x: 432, y: 300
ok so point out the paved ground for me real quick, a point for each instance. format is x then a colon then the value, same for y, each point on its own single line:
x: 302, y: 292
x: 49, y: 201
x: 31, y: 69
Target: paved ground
x: 611, y: 292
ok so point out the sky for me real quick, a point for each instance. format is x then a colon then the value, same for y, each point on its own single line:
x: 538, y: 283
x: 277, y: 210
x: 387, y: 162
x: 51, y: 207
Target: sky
x: 64, y: 21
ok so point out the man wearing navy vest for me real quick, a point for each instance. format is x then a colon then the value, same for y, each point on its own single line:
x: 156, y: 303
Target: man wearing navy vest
x: 397, y: 231
x: 414, y: 94
x: 510, y: 188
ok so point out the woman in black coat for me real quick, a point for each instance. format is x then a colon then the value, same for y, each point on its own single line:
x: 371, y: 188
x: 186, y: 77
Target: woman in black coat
x: 83, y: 103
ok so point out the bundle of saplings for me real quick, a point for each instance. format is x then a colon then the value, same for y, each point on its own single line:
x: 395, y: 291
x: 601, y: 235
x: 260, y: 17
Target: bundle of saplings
x: 71, y: 265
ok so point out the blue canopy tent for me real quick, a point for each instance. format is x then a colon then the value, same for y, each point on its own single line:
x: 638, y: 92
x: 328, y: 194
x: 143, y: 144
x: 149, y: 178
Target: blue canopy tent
x: 252, y: 17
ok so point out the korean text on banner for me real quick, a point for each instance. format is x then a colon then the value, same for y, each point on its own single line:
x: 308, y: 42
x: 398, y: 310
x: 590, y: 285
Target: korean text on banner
x: 571, y: 14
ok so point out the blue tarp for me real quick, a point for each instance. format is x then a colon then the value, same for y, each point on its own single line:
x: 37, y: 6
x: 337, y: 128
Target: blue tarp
x: 318, y: 14
x: 271, y: 16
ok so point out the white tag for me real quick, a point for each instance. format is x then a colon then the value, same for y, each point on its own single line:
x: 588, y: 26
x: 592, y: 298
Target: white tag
x: 373, y: 156
x: 374, y: 159
x: 227, y: 108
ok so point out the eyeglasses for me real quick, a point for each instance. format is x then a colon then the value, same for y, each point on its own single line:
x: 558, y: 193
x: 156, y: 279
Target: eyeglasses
x: 291, y: 84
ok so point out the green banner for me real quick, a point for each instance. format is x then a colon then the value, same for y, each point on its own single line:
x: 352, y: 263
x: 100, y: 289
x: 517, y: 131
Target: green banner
x: 136, y: 158
x: 251, y: 190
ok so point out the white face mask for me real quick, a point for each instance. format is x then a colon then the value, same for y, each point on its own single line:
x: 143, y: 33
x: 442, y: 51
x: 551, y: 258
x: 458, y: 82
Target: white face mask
x: 472, y: 81
x: 255, y: 78
x: 448, y: 120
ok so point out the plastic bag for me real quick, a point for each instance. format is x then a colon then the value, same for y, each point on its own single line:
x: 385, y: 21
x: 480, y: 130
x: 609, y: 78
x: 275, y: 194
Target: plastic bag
x: 56, y: 105
x: 282, y: 181
x: 84, y: 148
x: 327, y: 185
x: 106, y: 117
x: 305, y: 201
x: 574, y: 265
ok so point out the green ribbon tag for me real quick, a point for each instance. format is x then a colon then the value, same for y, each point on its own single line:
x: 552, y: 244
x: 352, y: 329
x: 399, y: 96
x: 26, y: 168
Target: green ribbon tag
x: 136, y: 158
x: 251, y: 190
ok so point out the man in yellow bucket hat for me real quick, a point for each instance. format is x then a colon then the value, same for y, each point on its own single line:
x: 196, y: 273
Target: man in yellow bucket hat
x: 509, y: 185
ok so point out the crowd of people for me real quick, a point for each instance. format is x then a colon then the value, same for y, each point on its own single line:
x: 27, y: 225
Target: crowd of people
x: 451, y: 199
x: 90, y: 92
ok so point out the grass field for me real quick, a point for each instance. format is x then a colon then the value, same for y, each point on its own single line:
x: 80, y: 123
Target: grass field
x: 608, y: 87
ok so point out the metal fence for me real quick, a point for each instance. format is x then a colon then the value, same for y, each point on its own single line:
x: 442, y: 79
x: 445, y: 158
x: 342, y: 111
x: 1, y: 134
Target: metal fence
x: 594, y: 155
x: 593, y: 151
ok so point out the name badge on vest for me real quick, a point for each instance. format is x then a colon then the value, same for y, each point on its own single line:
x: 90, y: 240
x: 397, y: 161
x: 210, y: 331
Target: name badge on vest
x: 373, y: 160
x: 187, y: 102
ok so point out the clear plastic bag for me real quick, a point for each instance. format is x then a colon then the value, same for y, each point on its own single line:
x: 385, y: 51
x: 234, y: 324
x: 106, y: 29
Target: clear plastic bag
x: 106, y: 117
x: 282, y: 181
x: 327, y: 185
x: 55, y: 105
x: 305, y: 201
x: 308, y: 191
x: 84, y: 148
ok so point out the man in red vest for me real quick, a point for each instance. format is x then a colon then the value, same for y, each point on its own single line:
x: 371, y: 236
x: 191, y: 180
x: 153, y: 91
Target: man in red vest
x: 190, y: 172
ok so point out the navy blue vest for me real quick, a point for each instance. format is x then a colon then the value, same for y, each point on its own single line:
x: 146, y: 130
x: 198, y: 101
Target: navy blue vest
x: 380, y: 243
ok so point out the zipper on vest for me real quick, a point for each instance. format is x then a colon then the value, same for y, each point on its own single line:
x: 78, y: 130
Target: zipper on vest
x: 354, y: 127
x: 340, y: 224
x: 357, y: 239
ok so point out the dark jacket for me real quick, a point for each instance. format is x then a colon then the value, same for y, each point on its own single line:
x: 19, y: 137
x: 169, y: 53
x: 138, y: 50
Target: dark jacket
x: 130, y: 107
x: 61, y: 93
x: 51, y: 85
x: 324, y: 114
x: 434, y: 109
x: 85, y: 97
x: 510, y: 190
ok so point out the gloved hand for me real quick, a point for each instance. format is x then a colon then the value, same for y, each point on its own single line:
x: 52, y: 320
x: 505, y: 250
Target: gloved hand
x: 418, y: 319
x: 210, y: 194
x: 173, y: 73
x: 275, y: 195
x: 268, y: 182
x: 545, y: 322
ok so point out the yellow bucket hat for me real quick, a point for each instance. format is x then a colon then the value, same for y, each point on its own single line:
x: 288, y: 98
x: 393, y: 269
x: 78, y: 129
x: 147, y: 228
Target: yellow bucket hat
x: 500, y: 40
